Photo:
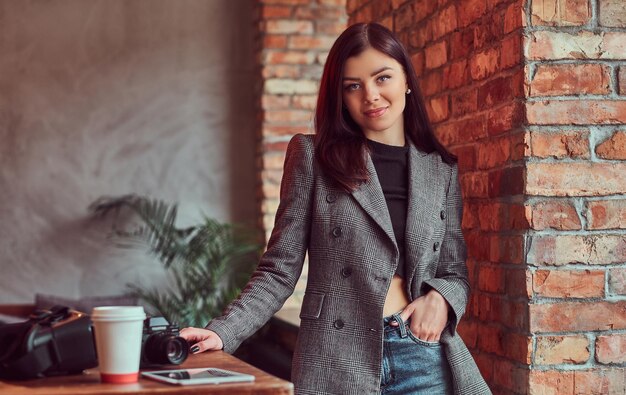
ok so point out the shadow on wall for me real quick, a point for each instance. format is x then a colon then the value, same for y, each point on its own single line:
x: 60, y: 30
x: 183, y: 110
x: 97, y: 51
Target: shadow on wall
x: 113, y: 97
x: 101, y: 266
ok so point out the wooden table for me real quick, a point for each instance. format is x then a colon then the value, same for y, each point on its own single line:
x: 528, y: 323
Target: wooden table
x: 88, y: 383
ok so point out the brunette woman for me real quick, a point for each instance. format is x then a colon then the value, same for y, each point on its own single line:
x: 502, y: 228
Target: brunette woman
x: 374, y: 199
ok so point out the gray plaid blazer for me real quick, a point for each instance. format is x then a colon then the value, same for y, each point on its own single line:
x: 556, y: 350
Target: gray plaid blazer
x: 352, y: 257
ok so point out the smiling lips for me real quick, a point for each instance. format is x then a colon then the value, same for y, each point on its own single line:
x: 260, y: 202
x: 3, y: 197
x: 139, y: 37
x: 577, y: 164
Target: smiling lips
x: 375, y: 113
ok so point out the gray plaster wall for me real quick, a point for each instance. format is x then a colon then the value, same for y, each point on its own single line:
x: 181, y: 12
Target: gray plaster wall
x: 108, y: 97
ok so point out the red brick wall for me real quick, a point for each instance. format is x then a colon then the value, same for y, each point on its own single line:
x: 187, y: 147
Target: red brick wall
x: 538, y: 124
x: 294, y: 39
x: 576, y: 195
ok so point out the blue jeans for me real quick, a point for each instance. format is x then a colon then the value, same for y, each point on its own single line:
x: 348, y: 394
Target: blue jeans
x: 411, y: 365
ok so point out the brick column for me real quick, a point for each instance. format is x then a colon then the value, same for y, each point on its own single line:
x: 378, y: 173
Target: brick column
x: 294, y: 39
x: 531, y: 99
x: 575, y: 195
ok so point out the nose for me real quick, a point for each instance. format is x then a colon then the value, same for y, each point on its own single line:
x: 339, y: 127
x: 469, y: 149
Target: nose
x: 371, y: 94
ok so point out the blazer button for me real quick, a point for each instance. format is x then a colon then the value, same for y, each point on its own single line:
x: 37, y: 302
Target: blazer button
x: 337, y: 231
x: 330, y: 198
x: 338, y: 324
x: 442, y: 214
x: 346, y: 271
x: 436, y: 246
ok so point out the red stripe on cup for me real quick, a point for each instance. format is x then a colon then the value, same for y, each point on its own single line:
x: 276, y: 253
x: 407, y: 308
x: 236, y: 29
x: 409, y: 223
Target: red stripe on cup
x: 119, y: 378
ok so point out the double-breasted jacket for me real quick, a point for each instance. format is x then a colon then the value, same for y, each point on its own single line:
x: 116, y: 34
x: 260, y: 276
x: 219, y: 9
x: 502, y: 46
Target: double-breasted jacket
x: 352, y: 256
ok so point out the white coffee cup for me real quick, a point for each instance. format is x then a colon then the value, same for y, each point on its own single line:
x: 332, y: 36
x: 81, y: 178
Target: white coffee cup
x: 118, y: 331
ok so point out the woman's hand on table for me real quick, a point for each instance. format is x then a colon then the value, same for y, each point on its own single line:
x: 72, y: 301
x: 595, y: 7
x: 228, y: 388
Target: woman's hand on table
x: 201, y: 340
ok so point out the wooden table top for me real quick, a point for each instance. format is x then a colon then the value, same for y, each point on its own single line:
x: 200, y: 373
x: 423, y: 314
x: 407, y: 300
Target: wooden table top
x: 89, y: 383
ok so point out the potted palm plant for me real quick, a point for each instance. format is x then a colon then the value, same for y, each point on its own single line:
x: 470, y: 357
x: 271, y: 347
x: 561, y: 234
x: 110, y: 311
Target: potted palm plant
x: 206, y: 263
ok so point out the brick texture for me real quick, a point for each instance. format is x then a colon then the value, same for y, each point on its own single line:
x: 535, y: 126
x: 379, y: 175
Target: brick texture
x: 560, y: 12
x: 590, y: 249
x: 614, y: 147
x: 568, y: 283
x: 553, y: 350
x: 570, y: 79
x: 551, y: 382
x: 606, y: 214
x: 610, y: 349
x: 551, y: 45
x: 577, y: 316
x: 559, y: 145
x: 617, y: 281
x: 576, y: 179
x: 610, y: 381
x: 484, y: 64
x: 576, y: 173
x: 294, y: 37
x: 576, y: 112
x: 436, y: 55
x: 554, y: 214
x: 612, y: 13
x: 592, y: 382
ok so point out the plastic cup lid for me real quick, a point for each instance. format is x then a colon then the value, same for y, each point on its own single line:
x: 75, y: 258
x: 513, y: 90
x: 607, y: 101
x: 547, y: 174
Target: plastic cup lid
x: 118, y: 313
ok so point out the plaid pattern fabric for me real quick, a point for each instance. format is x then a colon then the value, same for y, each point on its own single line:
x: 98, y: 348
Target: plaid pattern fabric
x: 352, y: 258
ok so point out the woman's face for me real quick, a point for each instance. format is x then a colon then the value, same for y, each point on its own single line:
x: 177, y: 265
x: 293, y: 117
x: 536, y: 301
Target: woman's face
x: 374, y: 89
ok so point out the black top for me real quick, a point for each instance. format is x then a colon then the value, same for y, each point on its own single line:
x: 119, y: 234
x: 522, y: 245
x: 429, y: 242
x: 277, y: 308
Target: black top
x: 391, y: 167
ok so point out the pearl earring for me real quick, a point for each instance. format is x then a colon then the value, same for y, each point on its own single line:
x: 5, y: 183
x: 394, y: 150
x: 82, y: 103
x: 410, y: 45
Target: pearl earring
x: 408, y: 91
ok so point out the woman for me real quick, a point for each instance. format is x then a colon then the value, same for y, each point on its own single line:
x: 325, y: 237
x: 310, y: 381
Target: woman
x: 374, y: 199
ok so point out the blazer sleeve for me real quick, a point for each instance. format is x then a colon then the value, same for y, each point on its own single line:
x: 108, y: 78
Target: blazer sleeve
x: 281, y: 265
x: 451, y: 278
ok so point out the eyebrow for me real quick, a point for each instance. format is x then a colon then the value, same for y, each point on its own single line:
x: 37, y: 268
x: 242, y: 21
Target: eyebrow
x: 371, y: 75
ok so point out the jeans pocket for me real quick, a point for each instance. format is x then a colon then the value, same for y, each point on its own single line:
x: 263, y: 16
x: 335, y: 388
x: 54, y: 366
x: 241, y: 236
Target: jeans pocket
x: 419, y: 341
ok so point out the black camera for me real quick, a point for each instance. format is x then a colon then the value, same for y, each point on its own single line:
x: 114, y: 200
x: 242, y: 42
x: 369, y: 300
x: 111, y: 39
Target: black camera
x: 51, y: 342
x: 161, y: 344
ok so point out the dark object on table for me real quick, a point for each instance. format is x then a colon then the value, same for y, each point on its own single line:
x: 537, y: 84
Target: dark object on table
x: 161, y: 343
x: 51, y: 342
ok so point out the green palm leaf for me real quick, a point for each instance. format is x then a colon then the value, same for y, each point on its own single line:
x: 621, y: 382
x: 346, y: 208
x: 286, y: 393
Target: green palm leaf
x: 207, y: 264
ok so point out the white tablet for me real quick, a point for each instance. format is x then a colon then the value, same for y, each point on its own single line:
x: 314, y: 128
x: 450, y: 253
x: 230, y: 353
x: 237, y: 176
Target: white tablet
x: 198, y: 376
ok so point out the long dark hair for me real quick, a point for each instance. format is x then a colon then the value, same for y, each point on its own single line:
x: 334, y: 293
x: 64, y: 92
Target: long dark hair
x: 339, y: 142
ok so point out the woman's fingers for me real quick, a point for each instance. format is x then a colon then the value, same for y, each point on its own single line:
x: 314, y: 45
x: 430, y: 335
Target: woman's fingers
x: 424, y: 330
x: 426, y: 335
x: 407, y: 312
x: 202, y: 339
x: 193, y: 334
x: 212, y: 343
x: 429, y: 315
x: 427, y: 327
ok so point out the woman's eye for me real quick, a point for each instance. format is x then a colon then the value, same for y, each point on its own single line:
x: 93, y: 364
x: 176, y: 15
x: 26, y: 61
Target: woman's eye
x: 352, y: 87
x: 383, y: 78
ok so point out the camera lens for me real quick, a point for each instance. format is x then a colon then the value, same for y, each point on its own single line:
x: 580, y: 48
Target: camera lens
x: 174, y: 350
x: 165, y: 348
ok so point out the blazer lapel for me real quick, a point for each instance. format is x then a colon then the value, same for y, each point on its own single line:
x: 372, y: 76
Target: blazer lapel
x: 425, y: 198
x: 371, y: 198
